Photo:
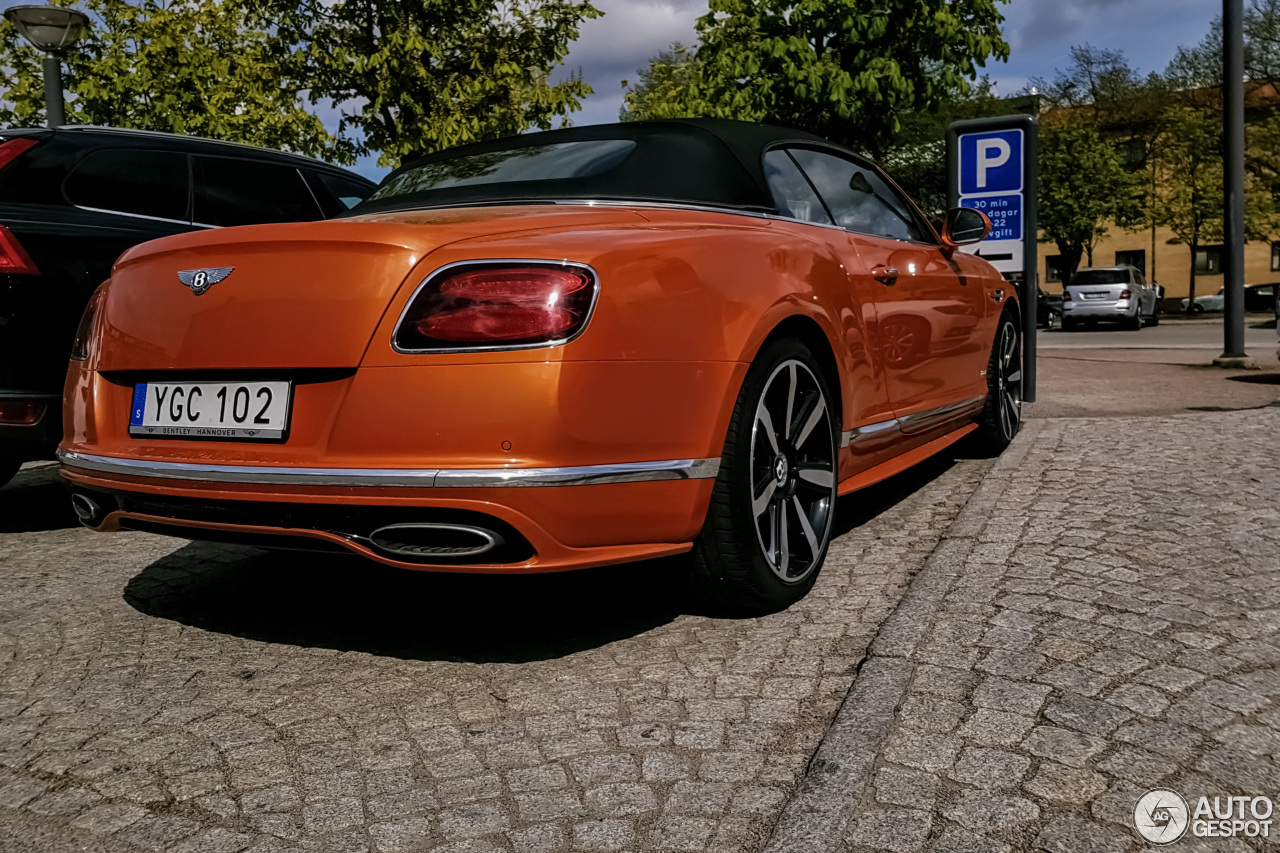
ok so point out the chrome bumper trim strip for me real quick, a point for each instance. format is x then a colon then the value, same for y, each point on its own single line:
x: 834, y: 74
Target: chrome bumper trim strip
x: 626, y: 472
x: 853, y: 436
x: 923, y: 420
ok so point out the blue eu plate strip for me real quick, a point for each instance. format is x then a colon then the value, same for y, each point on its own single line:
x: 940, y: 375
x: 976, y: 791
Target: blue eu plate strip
x: 139, y: 403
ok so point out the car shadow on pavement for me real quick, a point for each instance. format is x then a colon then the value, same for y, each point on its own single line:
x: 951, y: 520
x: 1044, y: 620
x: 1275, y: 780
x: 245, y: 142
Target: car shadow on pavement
x: 35, y: 500
x: 350, y: 604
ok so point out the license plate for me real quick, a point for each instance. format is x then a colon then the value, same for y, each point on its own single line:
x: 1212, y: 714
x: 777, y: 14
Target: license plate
x: 236, y: 411
x: 1096, y: 295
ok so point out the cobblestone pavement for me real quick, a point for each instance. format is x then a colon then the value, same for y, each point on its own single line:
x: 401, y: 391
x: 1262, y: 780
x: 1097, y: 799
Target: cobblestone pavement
x: 1102, y: 619
x: 204, y: 699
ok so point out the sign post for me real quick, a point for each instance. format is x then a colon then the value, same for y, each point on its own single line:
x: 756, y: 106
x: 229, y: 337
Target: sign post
x: 991, y: 167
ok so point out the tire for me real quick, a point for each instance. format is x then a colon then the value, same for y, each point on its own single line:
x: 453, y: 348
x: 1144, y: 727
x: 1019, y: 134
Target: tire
x: 1155, y: 316
x: 1001, y: 417
x: 1134, y: 323
x: 755, y: 553
x: 8, y: 467
x: 1048, y: 324
x: 1068, y: 325
x: 1196, y: 308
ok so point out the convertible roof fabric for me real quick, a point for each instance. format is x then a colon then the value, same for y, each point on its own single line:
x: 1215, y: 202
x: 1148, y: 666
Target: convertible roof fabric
x: 714, y: 162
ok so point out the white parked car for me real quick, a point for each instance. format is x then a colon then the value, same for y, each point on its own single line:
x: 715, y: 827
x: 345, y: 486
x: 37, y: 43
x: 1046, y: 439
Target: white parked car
x: 1216, y: 302
x: 1119, y: 294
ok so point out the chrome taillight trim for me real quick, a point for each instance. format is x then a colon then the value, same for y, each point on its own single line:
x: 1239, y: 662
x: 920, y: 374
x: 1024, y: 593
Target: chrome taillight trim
x: 449, y: 268
x: 623, y: 472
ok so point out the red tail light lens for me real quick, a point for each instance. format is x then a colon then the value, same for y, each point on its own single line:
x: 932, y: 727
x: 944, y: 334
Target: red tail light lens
x: 20, y: 412
x: 498, y: 306
x: 10, y: 150
x: 1125, y: 294
x: 82, y: 346
x: 1066, y: 296
x: 13, y: 258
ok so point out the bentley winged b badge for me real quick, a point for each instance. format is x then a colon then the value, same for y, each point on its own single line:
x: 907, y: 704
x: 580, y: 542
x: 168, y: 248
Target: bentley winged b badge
x: 201, y: 280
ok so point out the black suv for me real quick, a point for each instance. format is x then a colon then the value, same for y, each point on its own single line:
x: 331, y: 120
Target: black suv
x: 73, y: 199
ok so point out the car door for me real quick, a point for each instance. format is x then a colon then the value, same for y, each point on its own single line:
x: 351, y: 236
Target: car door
x: 237, y: 191
x: 865, y: 394
x: 931, y: 320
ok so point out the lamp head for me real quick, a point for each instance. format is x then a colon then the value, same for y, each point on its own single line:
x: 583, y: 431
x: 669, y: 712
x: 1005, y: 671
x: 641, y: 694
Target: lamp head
x: 50, y: 29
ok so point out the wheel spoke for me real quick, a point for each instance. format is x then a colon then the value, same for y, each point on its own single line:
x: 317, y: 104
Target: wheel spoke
x: 1010, y: 344
x: 1014, y: 378
x: 791, y: 397
x: 784, y: 547
x: 806, y: 527
x: 821, y: 477
x: 762, y: 501
x: 814, y: 417
x: 762, y: 415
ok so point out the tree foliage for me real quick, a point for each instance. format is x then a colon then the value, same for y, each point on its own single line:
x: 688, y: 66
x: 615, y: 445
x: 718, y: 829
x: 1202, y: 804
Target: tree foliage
x: 411, y: 78
x: 668, y: 88
x: 184, y: 66
x: 846, y: 69
x: 1083, y: 188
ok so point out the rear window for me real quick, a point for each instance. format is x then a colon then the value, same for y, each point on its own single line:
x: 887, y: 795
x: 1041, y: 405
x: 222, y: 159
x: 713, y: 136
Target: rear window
x: 534, y: 163
x: 142, y: 183
x: 1100, y: 277
x: 247, y: 192
x: 347, y: 192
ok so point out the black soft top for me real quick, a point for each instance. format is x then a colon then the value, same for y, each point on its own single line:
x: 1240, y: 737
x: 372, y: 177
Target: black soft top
x: 711, y: 162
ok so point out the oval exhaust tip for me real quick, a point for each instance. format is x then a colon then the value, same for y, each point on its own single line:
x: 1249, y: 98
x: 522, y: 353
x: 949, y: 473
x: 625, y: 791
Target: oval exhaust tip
x: 86, y: 509
x: 434, y: 541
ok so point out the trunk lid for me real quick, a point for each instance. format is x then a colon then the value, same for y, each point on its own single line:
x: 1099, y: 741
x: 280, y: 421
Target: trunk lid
x: 306, y: 295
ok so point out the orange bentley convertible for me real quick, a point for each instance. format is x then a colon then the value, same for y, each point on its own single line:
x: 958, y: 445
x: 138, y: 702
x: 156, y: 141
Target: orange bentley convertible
x: 565, y: 349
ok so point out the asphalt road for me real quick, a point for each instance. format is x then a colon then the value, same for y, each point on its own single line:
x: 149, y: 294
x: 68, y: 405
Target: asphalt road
x: 1259, y: 336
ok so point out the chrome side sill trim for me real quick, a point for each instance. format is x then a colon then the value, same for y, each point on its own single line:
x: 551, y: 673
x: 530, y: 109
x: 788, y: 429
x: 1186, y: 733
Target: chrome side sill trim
x: 923, y: 420
x: 626, y: 472
x: 853, y: 436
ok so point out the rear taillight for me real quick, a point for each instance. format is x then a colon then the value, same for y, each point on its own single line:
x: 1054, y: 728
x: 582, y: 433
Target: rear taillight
x: 82, y: 346
x: 20, y: 412
x: 13, y: 258
x: 1125, y: 294
x: 490, y: 306
x: 1066, y: 296
x: 10, y: 149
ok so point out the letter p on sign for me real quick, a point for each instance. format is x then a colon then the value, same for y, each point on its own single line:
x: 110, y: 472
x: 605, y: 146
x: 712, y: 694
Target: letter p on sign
x: 991, y: 162
x: 992, y: 153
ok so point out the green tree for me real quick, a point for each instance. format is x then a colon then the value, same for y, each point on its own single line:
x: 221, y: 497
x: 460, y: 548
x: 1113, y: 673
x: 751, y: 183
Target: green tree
x: 1083, y: 188
x: 1189, y: 199
x: 411, y: 78
x: 846, y: 69
x: 668, y: 88
x: 184, y: 66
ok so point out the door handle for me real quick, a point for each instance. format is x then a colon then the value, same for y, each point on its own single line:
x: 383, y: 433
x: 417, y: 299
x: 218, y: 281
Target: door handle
x: 888, y: 276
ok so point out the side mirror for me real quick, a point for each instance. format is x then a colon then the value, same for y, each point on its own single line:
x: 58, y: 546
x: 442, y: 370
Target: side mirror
x: 964, y: 226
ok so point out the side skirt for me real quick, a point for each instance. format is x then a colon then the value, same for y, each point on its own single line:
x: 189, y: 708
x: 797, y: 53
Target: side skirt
x: 900, y: 463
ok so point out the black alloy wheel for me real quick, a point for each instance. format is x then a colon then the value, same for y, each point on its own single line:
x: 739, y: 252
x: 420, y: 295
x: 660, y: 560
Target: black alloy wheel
x: 769, y: 524
x: 1001, y: 417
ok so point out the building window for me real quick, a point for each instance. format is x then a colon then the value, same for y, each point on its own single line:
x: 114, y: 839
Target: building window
x: 1053, y: 268
x: 1275, y: 257
x: 1209, y: 260
x: 1133, y: 258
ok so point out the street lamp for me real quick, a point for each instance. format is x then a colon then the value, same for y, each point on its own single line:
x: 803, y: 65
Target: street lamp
x: 50, y: 30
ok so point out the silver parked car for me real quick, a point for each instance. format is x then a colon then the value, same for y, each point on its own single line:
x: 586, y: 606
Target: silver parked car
x: 1118, y: 294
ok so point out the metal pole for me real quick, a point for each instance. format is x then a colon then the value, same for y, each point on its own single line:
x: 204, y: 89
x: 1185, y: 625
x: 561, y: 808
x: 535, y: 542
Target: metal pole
x: 53, y: 106
x: 1030, y: 257
x: 1233, y: 176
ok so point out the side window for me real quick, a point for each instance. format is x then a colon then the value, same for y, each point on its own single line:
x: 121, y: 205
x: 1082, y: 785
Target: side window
x: 346, y: 192
x: 858, y: 198
x: 249, y: 192
x: 791, y: 192
x: 143, y: 183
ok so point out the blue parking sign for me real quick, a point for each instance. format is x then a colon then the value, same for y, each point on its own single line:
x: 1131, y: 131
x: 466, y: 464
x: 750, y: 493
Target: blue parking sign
x: 991, y: 162
x: 1004, y: 211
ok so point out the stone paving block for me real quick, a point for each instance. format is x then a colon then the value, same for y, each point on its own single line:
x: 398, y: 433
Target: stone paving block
x: 1058, y: 782
x: 1086, y: 715
x: 997, y: 728
x: 987, y: 811
x: 990, y: 768
x: 214, y: 841
x: 900, y: 786
x: 898, y: 830
x: 603, y: 835
x: 1070, y: 834
x: 1068, y: 747
x: 1001, y: 694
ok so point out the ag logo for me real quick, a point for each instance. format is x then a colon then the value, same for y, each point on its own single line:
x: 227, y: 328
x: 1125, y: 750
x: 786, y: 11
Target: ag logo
x: 1161, y: 816
x: 201, y: 280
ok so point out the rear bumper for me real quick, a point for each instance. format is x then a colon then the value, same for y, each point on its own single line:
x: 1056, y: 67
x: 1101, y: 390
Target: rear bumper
x: 1077, y: 310
x: 554, y: 519
x: 32, y: 441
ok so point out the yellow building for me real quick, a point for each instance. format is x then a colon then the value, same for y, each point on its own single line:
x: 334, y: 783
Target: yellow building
x: 1169, y: 265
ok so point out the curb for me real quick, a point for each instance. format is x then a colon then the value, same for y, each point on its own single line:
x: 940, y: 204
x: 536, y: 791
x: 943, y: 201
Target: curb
x: 817, y: 814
